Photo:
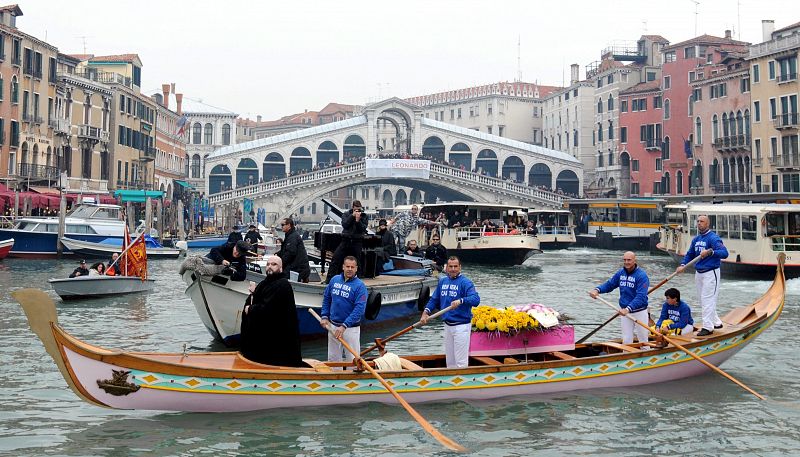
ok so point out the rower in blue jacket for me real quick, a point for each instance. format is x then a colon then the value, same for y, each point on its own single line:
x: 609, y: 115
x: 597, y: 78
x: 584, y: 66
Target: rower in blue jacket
x: 676, y: 314
x: 633, y: 283
x: 457, y: 290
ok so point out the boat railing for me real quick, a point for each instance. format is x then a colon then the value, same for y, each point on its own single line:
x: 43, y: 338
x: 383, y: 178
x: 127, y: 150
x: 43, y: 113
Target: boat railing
x: 471, y: 233
x: 555, y: 230
x: 785, y: 242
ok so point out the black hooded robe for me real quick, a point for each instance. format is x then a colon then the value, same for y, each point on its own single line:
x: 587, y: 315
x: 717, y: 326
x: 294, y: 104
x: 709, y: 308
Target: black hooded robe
x: 270, y: 332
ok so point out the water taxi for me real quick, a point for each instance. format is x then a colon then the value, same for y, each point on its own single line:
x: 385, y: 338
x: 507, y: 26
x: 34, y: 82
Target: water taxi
x: 753, y: 233
x: 555, y: 228
x: 619, y: 224
x: 475, y: 243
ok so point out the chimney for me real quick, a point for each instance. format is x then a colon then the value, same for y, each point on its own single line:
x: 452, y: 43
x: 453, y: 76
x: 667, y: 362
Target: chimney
x: 258, y: 118
x: 178, y: 101
x: 767, y: 27
x: 728, y: 34
x: 574, y: 71
x: 165, y: 92
x: 172, y: 88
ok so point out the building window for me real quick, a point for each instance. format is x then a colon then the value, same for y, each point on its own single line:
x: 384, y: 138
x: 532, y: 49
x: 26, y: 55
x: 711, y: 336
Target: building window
x: 226, y: 134
x: 669, y: 56
x: 610, y: 130
x: 651, y: 76
x: 599, y: 132
x: 610, y: 103
x: 788, y: 67
x: 197, y: 131
x: 666, y: 109
x: 771, y: 67
x: 623, y: 106
x: 610, y: 79
x: 773, y: 108
x: 698, y: 130
x: 500, y: 130
x: 623, y: 135
x: 600, y: 105
x: 452, y: 114
x: 756, y: 73
x: 657, y: 102
x: 459, y: 113
x: 634, y: 188
x: 744, y: 85
x: 689, y: 53
x: 489, y: 129
x: 659, y: 164
x: 756, y: 111
x: 208, y: 134
x: 635, y: 165
x: 757, y: 150
x: 667, y: 82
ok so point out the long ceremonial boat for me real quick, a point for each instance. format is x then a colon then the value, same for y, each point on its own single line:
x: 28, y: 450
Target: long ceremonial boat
x: 753, y: 233
x: 219, y: 300
x: 226, y: 382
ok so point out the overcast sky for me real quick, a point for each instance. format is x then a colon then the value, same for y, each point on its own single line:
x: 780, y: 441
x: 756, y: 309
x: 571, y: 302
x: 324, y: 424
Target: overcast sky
x: 280, y: 57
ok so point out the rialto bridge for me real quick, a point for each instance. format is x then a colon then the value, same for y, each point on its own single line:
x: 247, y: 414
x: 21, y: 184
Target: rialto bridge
x: 284, y: 172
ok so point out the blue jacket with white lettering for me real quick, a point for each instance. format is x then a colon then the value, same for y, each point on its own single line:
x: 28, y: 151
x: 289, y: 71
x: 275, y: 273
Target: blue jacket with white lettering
x: 448, y: 290
x: 344, y: 302
x: 680, y: 315
x: 632, y: 288
x: 703, y: 241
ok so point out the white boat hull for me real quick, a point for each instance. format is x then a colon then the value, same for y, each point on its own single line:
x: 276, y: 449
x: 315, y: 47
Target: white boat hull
x: 99, y: 286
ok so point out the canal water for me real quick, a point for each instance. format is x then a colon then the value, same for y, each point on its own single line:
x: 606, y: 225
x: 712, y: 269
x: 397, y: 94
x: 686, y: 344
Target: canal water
x: 706, y: 415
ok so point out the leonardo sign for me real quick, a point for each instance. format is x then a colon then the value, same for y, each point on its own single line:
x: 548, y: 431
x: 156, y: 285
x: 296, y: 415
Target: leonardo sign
x: 398, y: 168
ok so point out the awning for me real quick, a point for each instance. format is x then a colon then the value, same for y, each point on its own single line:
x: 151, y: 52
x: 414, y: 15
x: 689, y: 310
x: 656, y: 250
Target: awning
x: 184, y: 184
x: 44, y: 190
x: 137, y: 195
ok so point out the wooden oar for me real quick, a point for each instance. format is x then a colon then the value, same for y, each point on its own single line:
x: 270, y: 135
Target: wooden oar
x: 694, y: 261
x: 380, y: 343
x: 692, y: 354
x: 648, y: 293
x: 446, y: 442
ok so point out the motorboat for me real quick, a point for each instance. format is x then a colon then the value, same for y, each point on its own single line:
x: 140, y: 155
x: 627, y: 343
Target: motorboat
x: 109, y: 246
x: 555, y: 228
x: 624, y: 224
x: 5, y: 247
x: 99, y: 286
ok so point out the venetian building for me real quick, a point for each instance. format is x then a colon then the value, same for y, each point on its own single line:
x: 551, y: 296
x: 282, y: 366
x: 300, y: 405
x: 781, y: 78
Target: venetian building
x: 27, y: 96
x: 171, y: 164
x: 81, y: 122
x: 775, y: 123
x: 209, y: 128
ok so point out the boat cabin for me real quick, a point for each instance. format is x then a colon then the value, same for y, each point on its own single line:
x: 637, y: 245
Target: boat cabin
x: 623, y: 217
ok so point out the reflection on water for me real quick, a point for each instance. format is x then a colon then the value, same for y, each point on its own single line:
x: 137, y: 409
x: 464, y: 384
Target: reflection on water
x: 702, y: 415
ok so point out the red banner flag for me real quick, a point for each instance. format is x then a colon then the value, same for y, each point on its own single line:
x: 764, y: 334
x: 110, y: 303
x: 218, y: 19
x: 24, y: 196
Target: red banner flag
x: 136, y: 258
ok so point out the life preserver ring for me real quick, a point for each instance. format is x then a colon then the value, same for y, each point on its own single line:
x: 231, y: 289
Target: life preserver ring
x: 424, y: 297
x: 374, y: 300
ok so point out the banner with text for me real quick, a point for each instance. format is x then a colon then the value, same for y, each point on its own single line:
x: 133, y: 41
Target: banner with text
x: 398, y: 168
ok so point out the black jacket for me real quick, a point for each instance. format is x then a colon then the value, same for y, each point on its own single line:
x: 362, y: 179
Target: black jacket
x: 270, y: 332
x: 234, y: 237
x: 252, y: 237
x: 437, y: 253
x: 388, y: 243
x: 238, y: 264
x: 81, y: 270
x: 293, y: 254
x: 352, y: 229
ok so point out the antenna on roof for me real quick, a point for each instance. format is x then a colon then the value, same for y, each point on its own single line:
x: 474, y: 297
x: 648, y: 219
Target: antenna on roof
x: 519, y: 66
x: 696, y: 12
x: 83, y: 39
x: 738, y: 20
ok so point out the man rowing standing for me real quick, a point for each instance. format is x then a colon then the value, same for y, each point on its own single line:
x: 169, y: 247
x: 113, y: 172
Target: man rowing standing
x: 708, y: 245
x: 343, y: 305
x: 633, y: 283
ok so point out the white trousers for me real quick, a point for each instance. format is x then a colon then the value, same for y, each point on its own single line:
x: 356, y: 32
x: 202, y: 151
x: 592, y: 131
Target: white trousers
x: 337, y: 352
x: 707, y: 293
x: 629, y: 328
x: 456, y: 345
x: 688, y: 330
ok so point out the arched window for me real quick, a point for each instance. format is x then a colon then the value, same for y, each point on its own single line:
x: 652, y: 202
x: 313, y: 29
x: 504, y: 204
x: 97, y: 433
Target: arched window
x: 714, y: 128
x: 610, y: 102
x: 87, y: 109
x: 666, y: 109
x: 354, y: 147
x: 747, y: 125
x: 15, y: 90
x: 600, y: 105
x: 732, y: 123
x: 209, y: 134
x: 226, y: 134
x: 679, y: 182
x: 196, y: 166
x: 739, y: 123
x: 197, y: 130
x: 698, y: 130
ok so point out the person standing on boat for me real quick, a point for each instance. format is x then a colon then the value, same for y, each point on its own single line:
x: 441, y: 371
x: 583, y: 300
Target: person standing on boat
x: 676, y: 314
x: 457, y: 290
x: 270, y: 331
x: 343, y: 305
x: 252, y: 236
x: 354, y: 227
x: 436, y: 252
x: 404, y: 223
x: 708, y: 245
x: 633, y: 283
x: 387, y: 242
x: 235, y: 235
x: 80, y: 271
x: 293, y: 251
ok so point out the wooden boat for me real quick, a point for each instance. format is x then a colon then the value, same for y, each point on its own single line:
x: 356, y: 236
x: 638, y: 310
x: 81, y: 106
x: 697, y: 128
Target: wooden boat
x: 753, y: 233
x: 219, y: 301
x: 99, y: 286
x: 224, y: 381
x: 104, y: 250
x: 5, y: 247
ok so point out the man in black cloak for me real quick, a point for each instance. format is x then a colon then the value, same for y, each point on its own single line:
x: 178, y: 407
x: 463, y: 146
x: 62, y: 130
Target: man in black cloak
x: 270, y: 332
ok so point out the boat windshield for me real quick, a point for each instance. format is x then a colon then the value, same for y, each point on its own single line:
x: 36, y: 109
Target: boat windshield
x: 95, y: 212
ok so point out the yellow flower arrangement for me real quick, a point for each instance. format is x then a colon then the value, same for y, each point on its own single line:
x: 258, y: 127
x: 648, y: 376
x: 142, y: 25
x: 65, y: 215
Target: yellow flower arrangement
x: 506, y: 320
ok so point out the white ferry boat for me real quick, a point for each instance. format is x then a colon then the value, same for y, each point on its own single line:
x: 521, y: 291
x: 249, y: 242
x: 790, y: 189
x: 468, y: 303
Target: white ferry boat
x: 753, y: 233
x: 619, y: 224
x: 555, y: 227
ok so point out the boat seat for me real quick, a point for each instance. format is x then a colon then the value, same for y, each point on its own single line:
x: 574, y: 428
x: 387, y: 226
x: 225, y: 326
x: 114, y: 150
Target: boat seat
x: 317, y: 365
x: 561, y: 355
x: 485, y: 360
x: 622, y: 347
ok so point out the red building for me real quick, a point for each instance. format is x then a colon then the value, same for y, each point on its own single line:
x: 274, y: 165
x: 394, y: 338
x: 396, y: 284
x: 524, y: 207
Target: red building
x: 641, y: 115
x: 684, y: 63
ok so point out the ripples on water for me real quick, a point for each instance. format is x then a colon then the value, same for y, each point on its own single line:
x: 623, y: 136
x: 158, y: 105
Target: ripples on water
x: 702, y: 415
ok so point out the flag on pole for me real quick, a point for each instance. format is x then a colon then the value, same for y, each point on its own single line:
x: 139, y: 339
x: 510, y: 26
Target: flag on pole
x: 136, y: 258
x: 182, y: 122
